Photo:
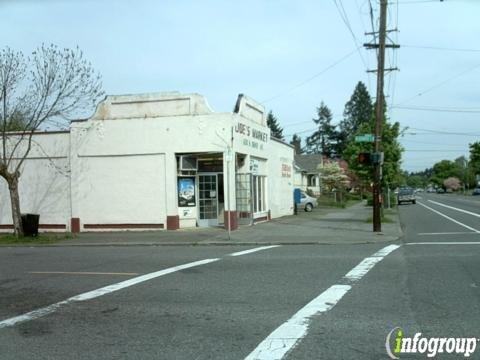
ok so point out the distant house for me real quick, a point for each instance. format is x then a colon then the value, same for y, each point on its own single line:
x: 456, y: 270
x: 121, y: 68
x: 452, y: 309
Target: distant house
x: 306, y: 172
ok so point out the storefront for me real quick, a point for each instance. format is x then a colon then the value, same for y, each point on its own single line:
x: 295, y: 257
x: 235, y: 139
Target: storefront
x: 157, y: 161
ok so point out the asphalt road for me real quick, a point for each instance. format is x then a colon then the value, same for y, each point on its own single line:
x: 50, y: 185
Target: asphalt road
x: 303, y: 301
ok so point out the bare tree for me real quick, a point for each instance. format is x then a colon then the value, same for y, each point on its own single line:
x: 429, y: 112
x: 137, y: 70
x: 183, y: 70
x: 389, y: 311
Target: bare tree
x: 46, y: 88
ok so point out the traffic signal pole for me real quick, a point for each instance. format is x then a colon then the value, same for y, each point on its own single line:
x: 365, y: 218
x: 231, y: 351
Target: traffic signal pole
x: 377, y: 220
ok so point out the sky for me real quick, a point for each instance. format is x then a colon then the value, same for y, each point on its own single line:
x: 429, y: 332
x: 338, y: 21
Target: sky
x: 288, y: 55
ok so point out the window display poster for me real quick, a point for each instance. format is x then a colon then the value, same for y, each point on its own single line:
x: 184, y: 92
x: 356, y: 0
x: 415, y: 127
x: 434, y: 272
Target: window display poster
x: 186, y: 191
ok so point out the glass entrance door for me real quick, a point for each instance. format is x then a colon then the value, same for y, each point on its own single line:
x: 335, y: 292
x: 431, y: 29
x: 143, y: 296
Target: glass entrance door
x: 207, y: 200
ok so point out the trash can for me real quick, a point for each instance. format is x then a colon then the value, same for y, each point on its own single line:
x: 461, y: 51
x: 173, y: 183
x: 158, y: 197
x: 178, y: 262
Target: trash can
x: 30, y: 224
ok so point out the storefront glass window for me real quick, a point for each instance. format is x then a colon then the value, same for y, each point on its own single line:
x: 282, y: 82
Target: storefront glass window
x: 259, y: 191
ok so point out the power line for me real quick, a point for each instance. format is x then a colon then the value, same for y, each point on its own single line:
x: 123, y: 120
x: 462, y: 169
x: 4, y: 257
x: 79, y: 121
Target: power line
x: 423, y: 92
x: 344, y: 17
x: 393, y: 75
x: 440, y: 48
x: 416, y: 2
x: 437, y: 109
x: 372, y: 21
x: 302, y: 132
x: 309, y: 121
x: 359, y: 8
x: 343, y: 58
x: 444, y: 132
x: 433, y: 150
x: 428, y: 143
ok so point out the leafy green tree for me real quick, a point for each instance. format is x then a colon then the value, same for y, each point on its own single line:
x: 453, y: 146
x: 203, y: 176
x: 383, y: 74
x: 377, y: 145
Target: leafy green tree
x: 416, y: 181
x: 421, y: 177
x: 297, y: 143
x: 392, y: 174
x: 445, y: 169
x: 275, y: 129
x: 322, y: 141
x: 358, y: 111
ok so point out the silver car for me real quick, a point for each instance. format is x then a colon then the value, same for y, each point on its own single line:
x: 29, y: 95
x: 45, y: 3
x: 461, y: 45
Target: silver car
x: 406, y: 195
x: 307, y: 202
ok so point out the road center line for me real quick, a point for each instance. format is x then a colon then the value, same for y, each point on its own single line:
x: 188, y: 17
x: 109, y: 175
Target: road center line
x: 35, y: 314
x: 288, y: 335
x: 249, y: 251
x: 448, y: 217
x: 454, y: 208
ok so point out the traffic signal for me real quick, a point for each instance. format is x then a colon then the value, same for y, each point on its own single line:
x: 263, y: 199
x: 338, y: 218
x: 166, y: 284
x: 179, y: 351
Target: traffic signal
x: 364, y: 158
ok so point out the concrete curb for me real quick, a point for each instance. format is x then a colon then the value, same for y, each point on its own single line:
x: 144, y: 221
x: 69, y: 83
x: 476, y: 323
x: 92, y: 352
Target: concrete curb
x: 222, y: 243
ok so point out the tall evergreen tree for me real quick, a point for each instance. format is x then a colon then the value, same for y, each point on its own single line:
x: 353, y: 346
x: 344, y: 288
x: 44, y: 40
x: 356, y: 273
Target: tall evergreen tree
x: 297, y: 143
x: 275, y: 129
x: 358, y: 111
x: 322, y: 141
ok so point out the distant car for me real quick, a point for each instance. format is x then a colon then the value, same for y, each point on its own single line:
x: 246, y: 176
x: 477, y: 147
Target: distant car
x: 419, y: 190
x: 430, y: 190
x: 440, y: 191
x: 476, y: 191
x: 307, y: 202
x: 406, y: 195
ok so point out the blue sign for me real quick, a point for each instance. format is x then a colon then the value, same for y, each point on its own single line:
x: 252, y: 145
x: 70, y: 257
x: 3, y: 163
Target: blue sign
x: 297, y: 196
x: 186, y: 191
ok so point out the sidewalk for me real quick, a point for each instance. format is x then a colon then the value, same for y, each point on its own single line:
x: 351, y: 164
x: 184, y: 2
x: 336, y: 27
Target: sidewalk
x: 322, y: 226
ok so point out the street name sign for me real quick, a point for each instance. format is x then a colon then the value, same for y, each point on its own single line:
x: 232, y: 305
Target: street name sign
x: 365, y: 138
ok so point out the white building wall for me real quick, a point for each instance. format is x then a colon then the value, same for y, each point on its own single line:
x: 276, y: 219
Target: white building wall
x: 44, y: 185
x: 121, y: 190
x: 137, y: 153
x: 280, y: 179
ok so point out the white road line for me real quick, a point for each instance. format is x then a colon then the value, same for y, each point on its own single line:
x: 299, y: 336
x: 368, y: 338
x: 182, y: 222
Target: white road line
x: 454, y: 208
x: 445, y: 243
x: 289, y: 334
x: 35, y: 314
x: 286, y: 337
x: 449, y: 233
x: 249, y: 251
x: 449, y: 218
x: 364, y: 267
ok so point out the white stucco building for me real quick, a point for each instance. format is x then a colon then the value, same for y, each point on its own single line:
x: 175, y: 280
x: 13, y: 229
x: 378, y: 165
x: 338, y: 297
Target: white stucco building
x: 156, y: 161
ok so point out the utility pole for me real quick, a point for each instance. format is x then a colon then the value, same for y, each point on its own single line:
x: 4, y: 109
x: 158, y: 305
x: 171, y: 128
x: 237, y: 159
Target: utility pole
x: 377, y: 220
x: 377, y: 156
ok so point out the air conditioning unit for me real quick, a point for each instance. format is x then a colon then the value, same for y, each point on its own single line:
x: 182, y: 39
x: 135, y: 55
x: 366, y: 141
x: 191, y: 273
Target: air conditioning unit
x: 188, y: 163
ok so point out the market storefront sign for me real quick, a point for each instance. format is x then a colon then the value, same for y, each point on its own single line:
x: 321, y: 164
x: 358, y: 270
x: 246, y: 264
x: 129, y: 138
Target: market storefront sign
x: 251, y: 137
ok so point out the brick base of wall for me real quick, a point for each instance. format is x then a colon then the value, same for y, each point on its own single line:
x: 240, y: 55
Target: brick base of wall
x: 233, y: 220
x: 173, y: 222
x: 75, y: 225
